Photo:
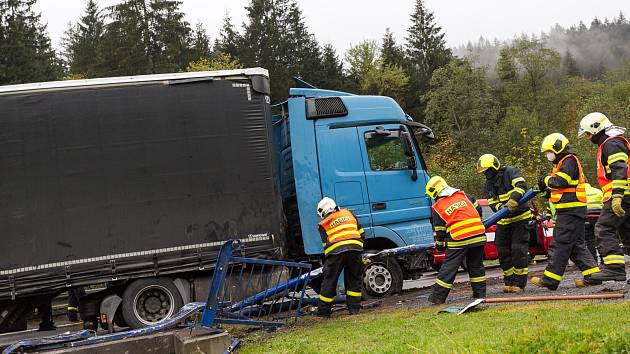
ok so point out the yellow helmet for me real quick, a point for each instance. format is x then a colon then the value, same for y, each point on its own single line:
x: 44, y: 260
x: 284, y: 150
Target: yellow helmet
x: 486, y: 161
x: 555, y: 143
x: 435, y: 185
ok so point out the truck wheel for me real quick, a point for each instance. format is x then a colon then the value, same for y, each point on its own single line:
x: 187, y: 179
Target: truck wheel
x: 147, y: 301
x: 382, y: 277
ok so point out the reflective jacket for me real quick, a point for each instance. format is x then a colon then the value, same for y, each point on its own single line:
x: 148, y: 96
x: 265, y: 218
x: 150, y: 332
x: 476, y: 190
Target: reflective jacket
x: 508, y: 183
x: 340, y: 232
x: 458, y: 216
x: 594, y: 198
x: 567, y: 185
x: 612, y: 166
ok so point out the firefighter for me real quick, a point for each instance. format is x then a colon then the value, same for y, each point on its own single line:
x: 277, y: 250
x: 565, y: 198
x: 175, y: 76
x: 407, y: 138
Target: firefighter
x: 612, y: 177
x: 594, y: 207
x: 566, y: 191
x: 505, y: 185
x: 459, y: 229
x: 342, y: 238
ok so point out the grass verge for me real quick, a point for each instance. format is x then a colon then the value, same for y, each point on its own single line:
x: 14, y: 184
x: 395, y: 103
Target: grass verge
x: 558, y: 327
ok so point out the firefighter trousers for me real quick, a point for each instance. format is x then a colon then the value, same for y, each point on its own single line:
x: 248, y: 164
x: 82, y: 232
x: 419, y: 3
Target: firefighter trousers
x: 512, y: 243
x: 589, y: 237
x: 568, y: 243
x: 608, y: 242
x: 351, y: 264
x: 452, y: 260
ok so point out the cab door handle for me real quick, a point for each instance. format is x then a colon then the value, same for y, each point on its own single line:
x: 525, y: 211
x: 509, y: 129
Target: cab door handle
x: 379, y: 206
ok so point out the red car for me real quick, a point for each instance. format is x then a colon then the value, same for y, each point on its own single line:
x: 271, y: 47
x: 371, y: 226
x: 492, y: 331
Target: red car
x: 539, y: 241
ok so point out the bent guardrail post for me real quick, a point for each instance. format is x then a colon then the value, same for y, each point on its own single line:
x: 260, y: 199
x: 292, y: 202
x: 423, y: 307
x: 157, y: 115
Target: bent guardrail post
x: 218, y: 277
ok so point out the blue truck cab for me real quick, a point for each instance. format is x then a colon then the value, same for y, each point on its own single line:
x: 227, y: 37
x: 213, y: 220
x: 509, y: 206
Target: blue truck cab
x: 361, y: 151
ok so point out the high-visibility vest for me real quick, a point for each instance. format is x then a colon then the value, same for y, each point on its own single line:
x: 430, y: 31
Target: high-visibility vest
x: 341, y: 231
x: 575, y: 186
x: 461, y: 217
x: 604, y: 183
x: 594, y: 197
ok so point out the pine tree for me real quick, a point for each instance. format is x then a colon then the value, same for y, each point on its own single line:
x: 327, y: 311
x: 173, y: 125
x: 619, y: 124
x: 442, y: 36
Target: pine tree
x: 391, y: 53
x: 275, y: 37
x: 145, y: 37
x: 26, y: 54
x: 569, y: 65
x: 170, y: 36
x: 229, y: 39
x: 304, y: 53
x: 426, y: 51
x: 331, y: 76
x: 82, y: 42
x: 200, y: 47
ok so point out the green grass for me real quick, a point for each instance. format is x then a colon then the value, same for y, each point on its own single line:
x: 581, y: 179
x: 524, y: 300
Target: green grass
x: 559, y: 327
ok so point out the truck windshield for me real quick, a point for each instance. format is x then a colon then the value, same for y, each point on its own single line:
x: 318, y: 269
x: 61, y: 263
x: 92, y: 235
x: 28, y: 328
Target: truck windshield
x: 385, y: 152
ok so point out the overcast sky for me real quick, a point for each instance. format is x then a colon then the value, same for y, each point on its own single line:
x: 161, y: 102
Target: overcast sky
x: 346, y: 22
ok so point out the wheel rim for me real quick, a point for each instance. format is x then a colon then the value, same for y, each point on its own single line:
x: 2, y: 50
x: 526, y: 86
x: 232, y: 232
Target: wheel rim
x: 377, y: 279
x: 153, y: 303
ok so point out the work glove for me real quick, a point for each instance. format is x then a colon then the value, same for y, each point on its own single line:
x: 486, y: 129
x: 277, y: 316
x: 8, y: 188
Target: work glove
x: 542, y: 186
x: 616, y: 205
x: 439, y: 246
x: 512, y: 205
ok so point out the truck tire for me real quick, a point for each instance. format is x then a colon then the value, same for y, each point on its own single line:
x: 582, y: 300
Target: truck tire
x: 147, y: 301
x: 382, y: 277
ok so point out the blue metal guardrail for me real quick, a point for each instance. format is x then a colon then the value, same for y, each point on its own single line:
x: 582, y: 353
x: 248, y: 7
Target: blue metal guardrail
x: 273, y: 294
x: 281, y: 285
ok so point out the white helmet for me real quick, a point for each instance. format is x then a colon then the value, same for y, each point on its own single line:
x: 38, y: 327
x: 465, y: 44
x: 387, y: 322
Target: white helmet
x: 325, y: 207
x: 593, y: 123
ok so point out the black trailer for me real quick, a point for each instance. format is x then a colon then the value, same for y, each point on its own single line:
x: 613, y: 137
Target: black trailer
x: 133, y: 182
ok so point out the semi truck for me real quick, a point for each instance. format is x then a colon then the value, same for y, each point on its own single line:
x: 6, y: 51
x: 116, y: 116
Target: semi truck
x: 130, y: 185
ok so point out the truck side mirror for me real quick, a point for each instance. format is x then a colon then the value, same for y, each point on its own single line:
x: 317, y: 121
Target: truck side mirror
x: 407, y: 144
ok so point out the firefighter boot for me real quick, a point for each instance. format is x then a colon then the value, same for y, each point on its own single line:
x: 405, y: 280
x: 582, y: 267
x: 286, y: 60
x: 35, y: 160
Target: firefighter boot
x: 47, y: 325
x: 606, y: 274
x: 517, y: 289
x: 540, y: 282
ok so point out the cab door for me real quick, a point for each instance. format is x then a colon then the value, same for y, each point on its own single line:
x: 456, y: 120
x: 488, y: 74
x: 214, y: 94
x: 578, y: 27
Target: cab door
x: 397, y: 198
x: 342, y: 173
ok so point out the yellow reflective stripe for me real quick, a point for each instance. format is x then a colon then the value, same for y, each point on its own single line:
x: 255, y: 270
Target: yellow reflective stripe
x: 475, y: 204
x: 72, y: 308
x: 492, y: 201
x: 479, y: 228
x: 361, y: 231
x: 620, y: 184
x: 353, y: 293
x: 345, y: 233
x: 342, y: 227
x: 518, y: 190
x: 552, y: 275
x: 342, y: 243
x: 620, y: 156
x: 507, y: 273
x: 439, y: 228
x: 325, y: 299
x: 516, y: 180
x: 478, y: 279
x: 440, y: 243
x: 590, y: 271
x: 524, y: 216
x: 466, y: 242
x: 462, y: 223
x: 547, y: 181
x: 443, y: 284
x: 569, y: 205
x: 564, y: 175
x: 505, y: 196
x: 614, y: 259
x: 521, y: 271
